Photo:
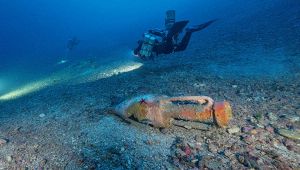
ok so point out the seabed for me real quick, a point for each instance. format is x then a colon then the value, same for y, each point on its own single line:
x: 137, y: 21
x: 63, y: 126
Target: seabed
x: 64, y: 122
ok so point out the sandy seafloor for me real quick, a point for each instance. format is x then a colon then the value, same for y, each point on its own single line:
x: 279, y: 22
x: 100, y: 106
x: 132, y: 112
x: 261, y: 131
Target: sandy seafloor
x: 68, y: 125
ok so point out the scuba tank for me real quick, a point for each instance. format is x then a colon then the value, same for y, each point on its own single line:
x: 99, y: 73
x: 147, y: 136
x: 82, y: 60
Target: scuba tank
x: 155, y: 36
x: 149, y: 41
x: 170, y: 19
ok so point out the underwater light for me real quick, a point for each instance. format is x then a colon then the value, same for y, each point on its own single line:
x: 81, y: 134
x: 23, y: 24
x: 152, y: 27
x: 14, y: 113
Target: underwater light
x: 123, y: 69
x: 35, y: 86
x: 67, y: 76
x: 115, y: 71
x: 62, y: 62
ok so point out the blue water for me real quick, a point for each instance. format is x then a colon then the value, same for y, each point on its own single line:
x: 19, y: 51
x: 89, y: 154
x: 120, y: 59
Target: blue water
x: 34, y: 34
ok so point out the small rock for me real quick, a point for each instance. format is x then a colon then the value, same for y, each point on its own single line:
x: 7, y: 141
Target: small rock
x: 197, y: 85
x: 187, y: 150
x: 248, y: 139
x: 194, y: 161
x: 252, y: 120
x: 3, y: 141
x: 198, y: 138
x: 272, y: 117
x: 9, y: 158
x: 257, y: 98
x: 260, y: 126
x: 212, y: 148
x: 270, y: 129
x: 149, y: 142
x: 253, y: 132
x: 198, y: 146
x: 43, y: 162
x: 235, y: 148
x: 241, y: 159
x: 247, y: 160
x: 233, y: 130
x: 247, y: 129
x: 228, y: 153
x: 42, y: 115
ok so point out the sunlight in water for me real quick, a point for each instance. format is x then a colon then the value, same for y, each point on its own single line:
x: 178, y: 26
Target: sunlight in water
x: 68, y: 75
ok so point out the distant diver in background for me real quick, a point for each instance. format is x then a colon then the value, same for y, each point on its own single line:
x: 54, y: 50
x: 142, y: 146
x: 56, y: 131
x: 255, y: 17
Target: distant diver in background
x: 165, y: 41
x: 72, y: 43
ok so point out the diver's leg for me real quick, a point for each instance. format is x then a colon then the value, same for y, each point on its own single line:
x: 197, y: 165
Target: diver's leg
x: 186, y: 38
x: 184, y: 42
x: 201, y: 26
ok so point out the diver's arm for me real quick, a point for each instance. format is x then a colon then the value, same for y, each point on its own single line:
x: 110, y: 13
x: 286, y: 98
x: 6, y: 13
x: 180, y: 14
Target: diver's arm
x: 138, y: 48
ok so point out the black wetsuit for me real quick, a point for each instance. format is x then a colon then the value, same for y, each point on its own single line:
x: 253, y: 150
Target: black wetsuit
x: 169, y: 43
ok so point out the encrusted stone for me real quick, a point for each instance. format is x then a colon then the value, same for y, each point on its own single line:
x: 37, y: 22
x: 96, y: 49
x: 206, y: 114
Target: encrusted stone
x: 233, y: 130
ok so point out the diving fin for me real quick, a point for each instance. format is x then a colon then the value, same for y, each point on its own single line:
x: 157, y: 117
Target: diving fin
x: 177, y: 28
x: 200, y: 27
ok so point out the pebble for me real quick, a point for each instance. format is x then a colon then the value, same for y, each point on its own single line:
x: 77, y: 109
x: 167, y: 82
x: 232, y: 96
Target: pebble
x: 248, y: 160
x: 198, y: 146
x: 194, y: 161
x: 3, y: 141
x: 248, y: 139
x: 43, y: 162
x: 235, y: 148
x: 197, y: 85
x: 42, y: 115
x: 198, y: 138
x: 252, y: 120
x: 241, y: 159
x: 260, y: 126
x: 253, y: 132
x: 272, y: 117
x: 233, y: 130
x: 269, y: 129
x: 247, y: 129
x: 9, y: 158
x: 228, y: 153
x: 257, y: 98
x: 212, y: 148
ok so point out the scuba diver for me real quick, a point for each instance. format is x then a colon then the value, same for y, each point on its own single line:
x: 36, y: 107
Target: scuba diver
x: 157, y: 41
x: 72, y: 43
